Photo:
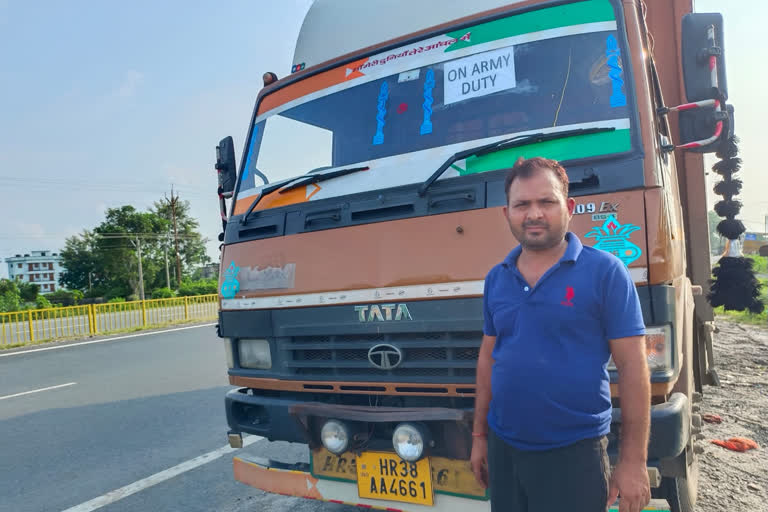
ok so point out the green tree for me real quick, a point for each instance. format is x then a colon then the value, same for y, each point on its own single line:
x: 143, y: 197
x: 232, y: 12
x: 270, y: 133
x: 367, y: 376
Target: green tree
x: 28, y: 291
x: 104, y: 261
x: 10, y: 298
x: 191, y: 243
x: 81, y: 267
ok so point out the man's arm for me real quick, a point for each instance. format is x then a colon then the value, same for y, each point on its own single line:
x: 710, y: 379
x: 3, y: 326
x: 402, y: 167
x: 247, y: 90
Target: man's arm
x: 482, y: 403
x: 631, y: 476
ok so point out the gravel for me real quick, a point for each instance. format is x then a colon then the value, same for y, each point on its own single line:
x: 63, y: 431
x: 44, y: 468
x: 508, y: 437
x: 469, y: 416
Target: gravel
x: 734, y: 480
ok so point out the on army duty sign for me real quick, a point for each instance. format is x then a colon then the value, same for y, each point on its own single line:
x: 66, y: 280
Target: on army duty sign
x: 478, y: 75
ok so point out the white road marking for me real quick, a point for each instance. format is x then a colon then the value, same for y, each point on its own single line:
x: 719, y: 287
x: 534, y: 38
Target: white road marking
x: 38, y: 390
x: 157, y: 478
x: 116, y: 338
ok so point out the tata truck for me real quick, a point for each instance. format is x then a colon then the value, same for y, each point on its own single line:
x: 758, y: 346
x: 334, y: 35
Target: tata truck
x: 367, y: 210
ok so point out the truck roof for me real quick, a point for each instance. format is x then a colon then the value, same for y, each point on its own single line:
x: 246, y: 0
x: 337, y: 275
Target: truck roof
x: 333, y: 28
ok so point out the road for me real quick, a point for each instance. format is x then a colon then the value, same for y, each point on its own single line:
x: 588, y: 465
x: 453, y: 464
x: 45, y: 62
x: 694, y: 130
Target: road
x: 121, y: 411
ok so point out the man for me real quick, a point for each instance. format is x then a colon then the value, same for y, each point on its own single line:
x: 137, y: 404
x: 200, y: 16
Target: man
x: 554, y: 313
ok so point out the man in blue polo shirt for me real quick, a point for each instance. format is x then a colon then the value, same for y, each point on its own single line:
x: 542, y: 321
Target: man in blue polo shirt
x: 555, y: 311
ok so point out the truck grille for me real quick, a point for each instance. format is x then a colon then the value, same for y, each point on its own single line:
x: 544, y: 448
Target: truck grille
x: 451, y: 357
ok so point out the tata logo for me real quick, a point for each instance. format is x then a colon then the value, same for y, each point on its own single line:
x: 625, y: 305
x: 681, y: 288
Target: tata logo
x: 385, y: 356
x: 383, y: 313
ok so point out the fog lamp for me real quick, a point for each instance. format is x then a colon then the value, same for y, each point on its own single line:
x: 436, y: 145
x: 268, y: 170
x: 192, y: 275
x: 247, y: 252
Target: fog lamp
x: 335, y: 436
x: 409, y: 440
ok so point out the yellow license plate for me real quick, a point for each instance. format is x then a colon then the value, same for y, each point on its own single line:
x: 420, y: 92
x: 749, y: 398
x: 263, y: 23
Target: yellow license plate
x: 385, y: 476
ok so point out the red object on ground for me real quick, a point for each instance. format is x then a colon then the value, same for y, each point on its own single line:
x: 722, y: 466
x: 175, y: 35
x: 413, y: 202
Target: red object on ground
x: 712, y: 418
x: 737, y: 444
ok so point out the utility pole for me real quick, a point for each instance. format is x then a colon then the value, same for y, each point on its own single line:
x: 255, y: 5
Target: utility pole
x: 173, y: 202
x: 137, y: 245
x: 167, y: 272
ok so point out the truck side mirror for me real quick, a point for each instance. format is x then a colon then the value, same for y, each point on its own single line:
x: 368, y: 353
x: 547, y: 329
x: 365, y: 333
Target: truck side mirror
x: 226, y: 166
x: 703, y: 58
x: 705, y: 119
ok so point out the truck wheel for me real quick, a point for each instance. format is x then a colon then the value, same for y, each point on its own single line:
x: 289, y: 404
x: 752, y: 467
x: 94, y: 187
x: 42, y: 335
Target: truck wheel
x: 680, y: 492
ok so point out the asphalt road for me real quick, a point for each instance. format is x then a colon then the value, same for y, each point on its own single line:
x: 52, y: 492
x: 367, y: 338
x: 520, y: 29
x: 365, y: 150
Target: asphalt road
x: 138, y: 406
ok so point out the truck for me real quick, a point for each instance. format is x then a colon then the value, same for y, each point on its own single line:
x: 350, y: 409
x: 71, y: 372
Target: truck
x: 351, y: 288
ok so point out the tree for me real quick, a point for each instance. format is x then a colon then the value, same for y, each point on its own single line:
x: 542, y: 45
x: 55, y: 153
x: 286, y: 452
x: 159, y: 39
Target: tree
x: 28, y: 291
x: 104, y: 261
x: 82, y: 269
x: 191, y: 243
x: 10, y: 298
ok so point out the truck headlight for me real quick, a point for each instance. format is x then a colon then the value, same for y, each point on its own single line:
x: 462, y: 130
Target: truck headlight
x: 658, y: 349
x: 255, y: 354
x: 335, y: 436
x: 409, y: 440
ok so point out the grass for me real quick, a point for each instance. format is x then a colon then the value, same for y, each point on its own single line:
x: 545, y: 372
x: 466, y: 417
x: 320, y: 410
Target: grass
x: 760, y: 263
x: 745, y: 317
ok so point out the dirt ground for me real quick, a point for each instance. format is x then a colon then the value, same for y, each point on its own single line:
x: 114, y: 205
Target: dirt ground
x: 734, y: 481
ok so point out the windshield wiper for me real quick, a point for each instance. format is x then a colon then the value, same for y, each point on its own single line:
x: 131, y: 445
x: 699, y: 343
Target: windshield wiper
x: 512, y: 142
x: 291, y: 184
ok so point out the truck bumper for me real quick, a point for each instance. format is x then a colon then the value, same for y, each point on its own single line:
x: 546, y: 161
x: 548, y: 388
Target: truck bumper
x: 296, y: 480
x: 269, y: 417
x: 670, y: 429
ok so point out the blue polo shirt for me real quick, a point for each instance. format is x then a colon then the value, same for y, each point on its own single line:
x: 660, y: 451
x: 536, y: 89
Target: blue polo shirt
x: 550, y: 386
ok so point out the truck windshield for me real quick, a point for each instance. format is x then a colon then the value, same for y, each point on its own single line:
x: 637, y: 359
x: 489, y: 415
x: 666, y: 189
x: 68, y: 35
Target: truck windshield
x: 402, y: 113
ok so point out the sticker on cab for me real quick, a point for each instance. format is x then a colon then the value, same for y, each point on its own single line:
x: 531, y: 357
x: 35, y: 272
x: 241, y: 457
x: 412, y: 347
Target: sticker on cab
x: 479, y: 75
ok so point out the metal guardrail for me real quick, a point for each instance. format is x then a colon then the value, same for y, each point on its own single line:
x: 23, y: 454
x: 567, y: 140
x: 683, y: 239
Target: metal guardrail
x: 41, y: 325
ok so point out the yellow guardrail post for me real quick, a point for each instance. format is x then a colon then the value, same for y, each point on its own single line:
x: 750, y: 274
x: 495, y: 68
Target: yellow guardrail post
x: 186, y: 308
x: 91, y: 320
x: 143, y: 313
x: 31, y: 326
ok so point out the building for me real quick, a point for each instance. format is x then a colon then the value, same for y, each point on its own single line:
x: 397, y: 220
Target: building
x: 39, y: 267
x: 754, y: 241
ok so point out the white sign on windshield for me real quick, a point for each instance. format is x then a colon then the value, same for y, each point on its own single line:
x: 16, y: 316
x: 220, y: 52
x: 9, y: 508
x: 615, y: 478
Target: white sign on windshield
x: 478, y: 75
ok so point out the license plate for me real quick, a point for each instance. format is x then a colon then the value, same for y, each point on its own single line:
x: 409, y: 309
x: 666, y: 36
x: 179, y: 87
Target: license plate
x: 385, y: 476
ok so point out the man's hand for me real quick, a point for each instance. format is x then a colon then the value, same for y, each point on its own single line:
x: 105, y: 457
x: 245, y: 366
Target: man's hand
x: 631, y: 481
x: 479, y: 460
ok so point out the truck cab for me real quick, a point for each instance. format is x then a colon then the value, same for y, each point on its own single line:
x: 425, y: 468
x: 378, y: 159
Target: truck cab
x: 351, y: 288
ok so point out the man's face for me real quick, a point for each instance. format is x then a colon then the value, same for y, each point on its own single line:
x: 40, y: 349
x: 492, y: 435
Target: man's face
x: 537, y: 212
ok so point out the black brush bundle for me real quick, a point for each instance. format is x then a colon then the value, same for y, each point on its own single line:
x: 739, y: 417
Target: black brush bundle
x: 734, y: 286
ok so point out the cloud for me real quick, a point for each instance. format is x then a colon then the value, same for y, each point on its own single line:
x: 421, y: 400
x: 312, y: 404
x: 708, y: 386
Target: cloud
x: 130, y: 84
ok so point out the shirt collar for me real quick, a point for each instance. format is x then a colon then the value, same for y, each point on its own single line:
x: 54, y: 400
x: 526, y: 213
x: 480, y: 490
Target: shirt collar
x: 572, y: 252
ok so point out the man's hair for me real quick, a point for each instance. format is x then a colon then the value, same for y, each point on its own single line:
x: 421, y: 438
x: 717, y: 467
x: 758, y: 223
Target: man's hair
x: 524, y: 168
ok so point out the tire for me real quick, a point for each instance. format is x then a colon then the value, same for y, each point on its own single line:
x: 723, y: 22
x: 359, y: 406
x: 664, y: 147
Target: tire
x: 681, y: 491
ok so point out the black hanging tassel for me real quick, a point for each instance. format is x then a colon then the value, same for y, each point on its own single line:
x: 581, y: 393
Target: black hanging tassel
x: 728, y: 188
x: 731, y: 229
x: 727, y: 166
x: 728, y: 148
x: 734, y: 286
x: 728, y: 208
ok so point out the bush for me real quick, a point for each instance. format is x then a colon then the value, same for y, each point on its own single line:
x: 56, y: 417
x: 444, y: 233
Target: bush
x: 162, y: 293
x: 200, y: 287
x: 65, y: 297
x: 114, y: 300
x: 42, y: 302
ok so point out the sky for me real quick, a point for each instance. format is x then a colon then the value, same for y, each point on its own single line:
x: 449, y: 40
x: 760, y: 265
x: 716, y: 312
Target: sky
x: 110, y: 103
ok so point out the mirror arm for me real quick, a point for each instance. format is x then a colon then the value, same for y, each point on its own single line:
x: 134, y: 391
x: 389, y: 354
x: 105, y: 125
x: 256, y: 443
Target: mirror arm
x: 720, y: 117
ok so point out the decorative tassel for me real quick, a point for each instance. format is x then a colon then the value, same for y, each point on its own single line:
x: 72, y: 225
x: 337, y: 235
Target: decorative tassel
x: 728, y: 208
x: 728, y: 188
x: 731, y: 229
x: 734, y: 286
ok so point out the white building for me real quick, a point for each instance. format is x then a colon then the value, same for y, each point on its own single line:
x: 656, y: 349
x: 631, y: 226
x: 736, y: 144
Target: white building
x: 39, y: 267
